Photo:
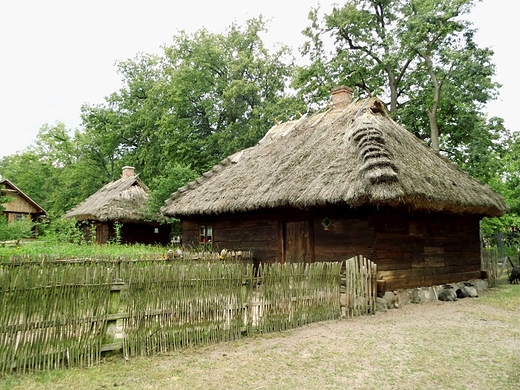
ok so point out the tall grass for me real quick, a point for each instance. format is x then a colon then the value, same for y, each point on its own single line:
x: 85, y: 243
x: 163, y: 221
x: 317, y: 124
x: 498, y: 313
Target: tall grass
x: 37, y: 249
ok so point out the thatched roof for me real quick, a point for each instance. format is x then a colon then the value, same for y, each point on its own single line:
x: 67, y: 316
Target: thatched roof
x: 122, y: 200
x: 353, y: 155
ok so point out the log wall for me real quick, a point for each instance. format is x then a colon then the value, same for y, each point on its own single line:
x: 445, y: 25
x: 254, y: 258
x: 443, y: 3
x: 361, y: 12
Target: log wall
x: 145, y: 234
x: 411, y: 249
x: 256, y: 234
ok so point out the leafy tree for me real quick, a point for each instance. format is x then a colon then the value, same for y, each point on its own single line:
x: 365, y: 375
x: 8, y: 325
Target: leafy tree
x: 458, y: 71
x: 366, y: 52
x: 175, y: 176
x: 124, y: 130
x: 226, y: 90
x: 51, y: 171
x: 101, y: 143
x: 419, y: 54
x: 509, y: 187
x: 28, y: 173
x: 208, y: 96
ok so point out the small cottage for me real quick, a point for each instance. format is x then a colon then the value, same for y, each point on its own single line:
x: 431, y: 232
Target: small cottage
x: 20, y: 206
x: 340, y: 183
x: 121, y: 202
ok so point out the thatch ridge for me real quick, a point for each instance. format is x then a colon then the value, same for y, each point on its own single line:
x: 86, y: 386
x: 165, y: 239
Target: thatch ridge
x: 122, y: 200
x: 354, y: 155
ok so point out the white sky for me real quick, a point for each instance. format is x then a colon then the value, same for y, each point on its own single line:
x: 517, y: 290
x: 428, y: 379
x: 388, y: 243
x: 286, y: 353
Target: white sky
x: 60, y: 54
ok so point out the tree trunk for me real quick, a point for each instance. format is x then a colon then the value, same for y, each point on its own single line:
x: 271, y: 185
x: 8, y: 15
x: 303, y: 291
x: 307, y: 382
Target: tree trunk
x: 432, y: 113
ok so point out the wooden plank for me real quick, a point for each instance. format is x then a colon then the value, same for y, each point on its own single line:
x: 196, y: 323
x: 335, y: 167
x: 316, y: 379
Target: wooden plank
x: 111, y: 347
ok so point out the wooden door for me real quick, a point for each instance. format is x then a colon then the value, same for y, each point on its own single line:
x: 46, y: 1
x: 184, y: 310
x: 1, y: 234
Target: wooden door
x: 298, y: 246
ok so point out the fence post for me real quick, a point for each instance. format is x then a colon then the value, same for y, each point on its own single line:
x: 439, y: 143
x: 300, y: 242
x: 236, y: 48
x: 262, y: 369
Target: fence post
x: 113, y: 338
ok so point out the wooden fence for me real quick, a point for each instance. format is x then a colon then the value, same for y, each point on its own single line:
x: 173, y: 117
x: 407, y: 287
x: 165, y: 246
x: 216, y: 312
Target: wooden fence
x: 489, y: 264
x: 51, y: 316
x: 360, y: 286
x: 67, y: 314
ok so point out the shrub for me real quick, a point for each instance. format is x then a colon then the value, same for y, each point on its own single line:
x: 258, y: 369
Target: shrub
x: 61, y: 229
x: 16, y: 230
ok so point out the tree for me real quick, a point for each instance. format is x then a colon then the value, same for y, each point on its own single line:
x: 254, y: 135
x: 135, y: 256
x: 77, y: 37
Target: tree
x: 458, y: 71
x: 51, y: 171
x: 366, y: 53
x: 509, y: 186
x: 125, y: 129
x: 29, y: 173
x: 225, y: 90
x: 175, y: 176
x: 208, y: 96
x: 418, y: 54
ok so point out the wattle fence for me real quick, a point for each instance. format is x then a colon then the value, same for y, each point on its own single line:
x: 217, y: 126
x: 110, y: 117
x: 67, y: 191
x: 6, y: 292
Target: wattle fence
x: 57, y: 314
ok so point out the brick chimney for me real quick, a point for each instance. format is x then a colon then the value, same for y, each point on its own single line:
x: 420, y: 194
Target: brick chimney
x: 128, y: 172
x: 341, y: 96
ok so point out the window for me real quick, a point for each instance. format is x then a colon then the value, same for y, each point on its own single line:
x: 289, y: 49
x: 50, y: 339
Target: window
x: 206, y: 237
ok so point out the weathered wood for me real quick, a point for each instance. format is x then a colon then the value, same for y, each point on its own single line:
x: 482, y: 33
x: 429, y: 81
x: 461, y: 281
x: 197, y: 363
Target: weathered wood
x: 112, y: 347
x: 394, y: 239
x: 298, y: 242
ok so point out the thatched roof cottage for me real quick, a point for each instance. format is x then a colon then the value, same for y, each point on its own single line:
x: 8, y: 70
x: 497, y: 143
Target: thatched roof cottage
x: 339, y: 183
x: 121, y: 201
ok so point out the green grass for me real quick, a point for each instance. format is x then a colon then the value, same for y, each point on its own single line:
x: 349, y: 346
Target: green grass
x: 505, y: 296
x: 40, y: 248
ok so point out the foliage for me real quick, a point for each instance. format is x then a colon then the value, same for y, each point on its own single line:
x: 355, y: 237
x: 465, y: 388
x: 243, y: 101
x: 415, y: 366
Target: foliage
x: 16, y: 230
x: 62, y: 230
x: 49, y: 247
x: 52, y: 171
x: 3, y: 200
x: 174, y: 177
x: 117, y: 238
x: 208, y: 96
x: 509, y: 186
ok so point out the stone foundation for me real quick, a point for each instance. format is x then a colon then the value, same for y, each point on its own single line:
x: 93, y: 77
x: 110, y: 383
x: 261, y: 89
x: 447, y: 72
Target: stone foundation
x: 398, y: 298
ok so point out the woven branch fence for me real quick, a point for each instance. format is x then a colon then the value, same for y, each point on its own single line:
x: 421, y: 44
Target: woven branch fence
x: 57, y: 314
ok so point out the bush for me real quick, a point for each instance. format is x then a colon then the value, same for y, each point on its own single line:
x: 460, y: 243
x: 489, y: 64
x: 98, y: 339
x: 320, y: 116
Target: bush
x: 61, y: 230
x: 16, y: 230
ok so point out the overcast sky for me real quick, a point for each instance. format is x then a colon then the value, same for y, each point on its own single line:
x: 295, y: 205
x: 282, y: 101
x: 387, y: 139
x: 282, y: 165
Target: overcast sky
x: 60, y: 54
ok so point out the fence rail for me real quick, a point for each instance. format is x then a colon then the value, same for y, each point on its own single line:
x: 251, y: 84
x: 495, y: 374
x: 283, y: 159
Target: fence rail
x: 55, y: 314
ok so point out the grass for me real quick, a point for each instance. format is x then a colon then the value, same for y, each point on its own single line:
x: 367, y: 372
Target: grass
x: 469, y: 344
x: 40, y: 248
x: 504, y: 296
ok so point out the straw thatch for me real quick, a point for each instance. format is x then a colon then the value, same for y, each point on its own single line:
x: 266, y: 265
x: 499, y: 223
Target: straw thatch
x: 353, y: 155
x: 122, y: 200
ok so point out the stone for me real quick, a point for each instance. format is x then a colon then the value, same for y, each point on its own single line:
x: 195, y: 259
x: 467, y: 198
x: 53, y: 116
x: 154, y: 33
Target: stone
x: 381, y: 304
